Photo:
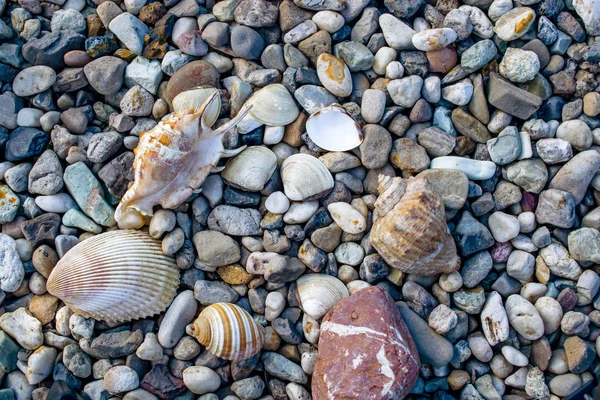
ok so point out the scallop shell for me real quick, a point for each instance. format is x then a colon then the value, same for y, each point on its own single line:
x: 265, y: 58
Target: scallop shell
x: 410, y: 232
x: 228, y: 331
x: 115, y: 277
x: 305, y: 178
x: 273, y: 105
x: 194, y: 98
x: 171, y: 162
x: 334, y: 129
x: 318, y: 293
x: 251, y: 169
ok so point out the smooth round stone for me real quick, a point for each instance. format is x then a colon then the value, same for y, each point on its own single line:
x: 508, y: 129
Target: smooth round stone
x: 348, y: 218
x: 277, y: 203
x: 506, y: 147
x: 29, y: 117
x: 524, y: 317
x: 519, y: 65
x: 478, y: 55
x: 565, y: 385
x: 105, y: 74
x: 434, y: 39
x: 514, y: 356
x: 33, y: 80
x: 329, y: 21
x: 405, y: 92
x: 504, y: 227
x: 120, y: 379
x: 576, y: 132
x: 349, y: 253
x: 383, y: 57
x: 300, y: 32
x: 514, y: 23
x: 373, y: 105
x: 474, y: 169
x: 274, y: 305
x: 183, y: 25
x: 246, y: 42
x: 397, y: 34
x: 130, y: 30
x: 459, y: 93
x: 49, y: 119
x: 57, y: 203
x: 300, y: 213
x: 200, y: 380
x: 180, y: 313
x: 273, y: 134
x: 334, y: 74
x: 394, y: 70
x: 191, y: 43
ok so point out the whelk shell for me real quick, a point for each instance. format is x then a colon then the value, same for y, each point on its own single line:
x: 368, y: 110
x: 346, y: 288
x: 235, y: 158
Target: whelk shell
x: 334, y: 129
x: 228, y: 331
x: 251, y: 169
x: 171, y: 162
x: 410, y: 232
x: 273, y: 105
x: 115, y: 277
x: 305, y: 178
x: 318, y: 293
x: 194, y: 99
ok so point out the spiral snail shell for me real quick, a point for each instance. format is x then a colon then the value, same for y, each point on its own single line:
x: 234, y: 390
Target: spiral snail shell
x: 228, y: 331
x: 410, y: 232
x: 117, y: 276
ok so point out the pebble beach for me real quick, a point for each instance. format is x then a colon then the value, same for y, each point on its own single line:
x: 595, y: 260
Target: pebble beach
x: 299, y: 199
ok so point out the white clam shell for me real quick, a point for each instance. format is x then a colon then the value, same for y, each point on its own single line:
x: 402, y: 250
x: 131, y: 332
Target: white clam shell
x: 273, y: 105
x: 318, y: 293
x: 115, y: 277
x: 333, y: 129
x: 194, y: 98
x: 305, y: 178
x: 228, y: 331
x: 251, y: 169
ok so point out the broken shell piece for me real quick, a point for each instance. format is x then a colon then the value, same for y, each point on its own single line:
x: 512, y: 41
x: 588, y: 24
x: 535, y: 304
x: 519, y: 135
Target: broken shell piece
x: 251, y: 169
x: 273, y: 105
x: 334, y: 129
x: 193, y: 99
x: 115, y: 277
x: 413, y: 236
x: 318, y: 293
x: 228, y: 331
x: 305, y: 178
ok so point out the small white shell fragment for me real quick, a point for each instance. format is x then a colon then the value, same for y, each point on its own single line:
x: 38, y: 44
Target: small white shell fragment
x: 434, y: 39
x: 333, y: 129
x: 347, y: 217
x: 474, y: 169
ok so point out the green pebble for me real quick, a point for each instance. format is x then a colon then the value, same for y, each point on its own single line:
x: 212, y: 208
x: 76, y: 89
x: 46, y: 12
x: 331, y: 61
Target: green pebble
x: 77, y: 219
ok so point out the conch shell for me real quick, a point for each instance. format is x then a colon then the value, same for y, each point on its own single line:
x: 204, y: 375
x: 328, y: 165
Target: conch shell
x: 410, y: 232
x: 171, y: 162
x: 228, y: 331
x: 116, y: 276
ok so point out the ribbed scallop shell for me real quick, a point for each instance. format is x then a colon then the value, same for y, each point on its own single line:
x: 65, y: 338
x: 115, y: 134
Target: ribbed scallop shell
x: 318, y: 293
x: 273, y: 105
x: 251, y: 169
x: 305, y: 178
x: 191, y: 100
x: 116, y: 276
x: 334, y: 129
x: 228, y: 331
x: 412, y: 235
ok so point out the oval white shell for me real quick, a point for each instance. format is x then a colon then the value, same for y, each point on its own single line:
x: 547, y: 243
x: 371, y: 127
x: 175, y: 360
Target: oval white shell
x: 191, y: 100
x: 116, y: 276
x: 228, y: 331
x: 251, y: 169
x: 305, y: 177
x: 318, y: 293
x: 273, y: 105
x: 333, y: 129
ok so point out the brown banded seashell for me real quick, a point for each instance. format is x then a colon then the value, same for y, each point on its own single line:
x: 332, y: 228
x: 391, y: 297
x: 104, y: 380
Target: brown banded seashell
x: 410, y: 232
x: 228, y: 331
x: 251, y: 169
x: 194, y: 99
x: 318, y: 293
x: 115, y: 277
x: 273, y: 105
x: 334, y: 129
x: 171, y: 162
x: 305, y: 177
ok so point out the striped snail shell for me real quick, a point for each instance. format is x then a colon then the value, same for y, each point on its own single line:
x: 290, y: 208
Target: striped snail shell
x: 228, y: 331
x: 115, y: 277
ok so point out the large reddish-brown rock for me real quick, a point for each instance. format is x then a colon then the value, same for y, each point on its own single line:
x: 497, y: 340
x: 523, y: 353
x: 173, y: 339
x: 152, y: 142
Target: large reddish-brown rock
x: 365, y: 350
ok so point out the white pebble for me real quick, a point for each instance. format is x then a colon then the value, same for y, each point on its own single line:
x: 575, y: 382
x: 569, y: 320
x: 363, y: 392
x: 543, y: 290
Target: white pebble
x: 81, y: 326
x: 527, y: 222
x: 394, y: 70
x: 120, y: 379
x: 503, y: 227
x: 273, y: 134
x: 329, y: 21
x: 300, y: 212
x: 514, y: 356
x: 201, y: 380
x: 383, y: 57
x: 349, y: 219
x: 274, y: 305
x: 474, y: 169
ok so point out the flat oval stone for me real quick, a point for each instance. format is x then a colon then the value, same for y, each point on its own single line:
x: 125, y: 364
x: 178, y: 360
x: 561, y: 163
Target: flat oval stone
x: 524, y: 317
x: 33, y: 80
x: 334, y: 75
x: 365, y: 354
x: 515, y: 23
x: 474, y: 169
x: 434, y: 39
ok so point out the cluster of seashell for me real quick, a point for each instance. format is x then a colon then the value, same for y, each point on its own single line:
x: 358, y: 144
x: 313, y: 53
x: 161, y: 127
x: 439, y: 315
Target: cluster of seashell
x: 228, y: 331
x: 410, y: 231
x: 272, y: 105
x: 173, y: 159
x: 318, y: 293
x: 116, y: 276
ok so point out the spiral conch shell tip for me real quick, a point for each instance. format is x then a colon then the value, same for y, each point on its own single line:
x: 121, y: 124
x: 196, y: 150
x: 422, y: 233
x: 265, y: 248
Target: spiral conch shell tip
x: 171, y: 162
